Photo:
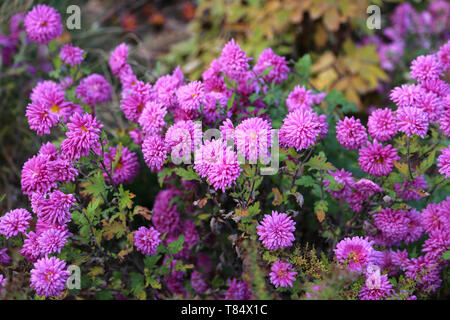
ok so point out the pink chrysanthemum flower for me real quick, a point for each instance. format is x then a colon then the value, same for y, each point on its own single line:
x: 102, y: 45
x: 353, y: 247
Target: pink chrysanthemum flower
x: 166, y: 217
x: 133, y: 104
x: 238, y: 290
x: 49, y: 276
x: 147, y: 240
x: 300, y: 130
x: 406, y: 95
x: 52, y: 240
x: 436, y: 86
x: 362, y: 190
x: 431, y: 104
x: 411, y: 190
x: 253, y: 139
x: 43, y: 24
x: 62, y: 170
x: 436, y: 217
x: 211, y: 78
x: 40, y: 119
x: 93, y: 89
x: 346, y: 183
x: 268, y: 59
x: 5, y: 259
x: 183, y: 137
x: 14, y: 222
x: 437, y: 244
x: 191, y: 96
x: 53, y: 208
x: 376, y: 287
x: 276, y: 231
x: 376, y: 159
x: 233, y: 60
x: 214, y: 106
x: 351, y: 133
x: 198, y: 282
x: 412, y: 120
x: 152, y: 118
x: 282, y: 274
x: 126, y: 168
x: 444, y: 162
x: 71, y: 55
x: 444, y: 122
x: 118, y: 59
x: 166, y: 86
x: 48, y: 150
x: 137, y: 136
x: 31, y: 249
x: 444, y: 56
x: 154, y: 150
x: 382, y: 125
x: 83, y: 136
x: 393, y: 225
x: 227, y: 130
x: 36, y: 176
x: 354, y: 252
x: 426, y: 67
x: 299, y: 98
x: 426, y: 271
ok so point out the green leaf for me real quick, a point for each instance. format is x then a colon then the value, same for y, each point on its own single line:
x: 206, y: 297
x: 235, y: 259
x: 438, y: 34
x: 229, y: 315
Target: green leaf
x: 187, y: 174
x: 319, y: 162
x: 306, y: 181
x: 303, y: 65
x: 177, y: 245
x: 446, y: 255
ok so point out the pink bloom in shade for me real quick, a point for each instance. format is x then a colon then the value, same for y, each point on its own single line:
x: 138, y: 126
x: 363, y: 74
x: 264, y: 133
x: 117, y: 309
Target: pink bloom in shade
x: 238, y: 290
x: 426, y: 67
x: 128, y: 81
x: 126, y: 168
x: 227, y: 130
x: 152, y: 118
x: 154, y: 150
x: 183, y: 137
x: 437, y: 244
x: 323, y: 126
x: 431, y: 104
x: 393, y: 225
x: 248, y: 84
x: 268, y: 59
x: 400, y: 258
x: 214, y: 106
x: 83, y: 136
x: 434, y: 218
x: 48, y: 150
x: 412, y: 120
x: 406, y: 95
x: 14, y: 222
x: 282, y: 274
x: 52, y: 240
x: 253, y: 139
x: 174, y: 279
x: 299, y: 98
x: 43, y: 24
x: 276, y: 231
x: 165, y: 88
x: 444, y: 162
x: 411, y: 190
x: 444, y: 56
x: 71, y: 55
x: 376, y: 287
x: 53, y: 208
x: 118, y: 59
x: 66, y: 82
x: 426, y: 271
x: 382, y: 125
x: 233, y: 60
x: 191, y: 238
x: 354, y: 252
x: 415, y: 230
x: 147, y: 240
x: 436, y: 86
x: 362, y: 190
x: 191, y: 95
x: 5, y: 259
x: 444, y: 122
x: 346, y: 183
x: 319, y: 97
x: 93, y: 89
x: 36, y: 175
x: 376, y: 159
x: 49, y: 276
x: 212, y: 80
x: 137, y: 136
x: 300, y: 130
x: 351, y: 133
x: 179, y: 114
x: 166, y: 217
x: 133, y: 104
x: 198, y: 282
x: 31, y: 249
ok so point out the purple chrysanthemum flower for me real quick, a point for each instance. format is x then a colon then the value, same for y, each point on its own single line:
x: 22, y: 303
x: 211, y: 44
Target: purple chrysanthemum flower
x: 118, y: 59
x: 49, y: 276
x: 431, y: 104
x: 166, y: 86
x: 238, y: 290
x: 5, y: 259
x: 126, y: 165
x: 393, y: 225
x: 382, y: 125
x: 62, y: 170
x: 282, y: 274
x: 444, y: 56
x: 133, y: 104
x: 14, y: 222
x: 154, y: 150
x: 93, y: 89
x: 376, y: 159
x: 166, y: 217
x: 436, y: 217
x: 191, y: 96
x: 71, y: 55
x: 52, y: 240
x: 406, y: 95
x: 212, y: 79
x: 411, y: 190
x: 233, y: 61
x: 300, y: 130
x: 43, y: 24
x: 354, y: 252
x: 183, y: 137
x: 426, y: 67
x: 83, y: 136
x: 152, y: 118
x: 444, y: 162
x: 147, y: 240
x: 346, y: 183
x: 444, y: 122
x: 253, y: 139
x: 437, y: 244
x: 36, y: 176
x: 276, y: 231
x: 53, y: 208
x: 198, y: 282
x: 412, y: 120
x: 268, y: 59
x: 426, y: 271
x: 31, y: 249
x: 351, y: 133
x: 362, y: 190
x: 299, y: 98
x: 436, y: 86
x: 376, y: 287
